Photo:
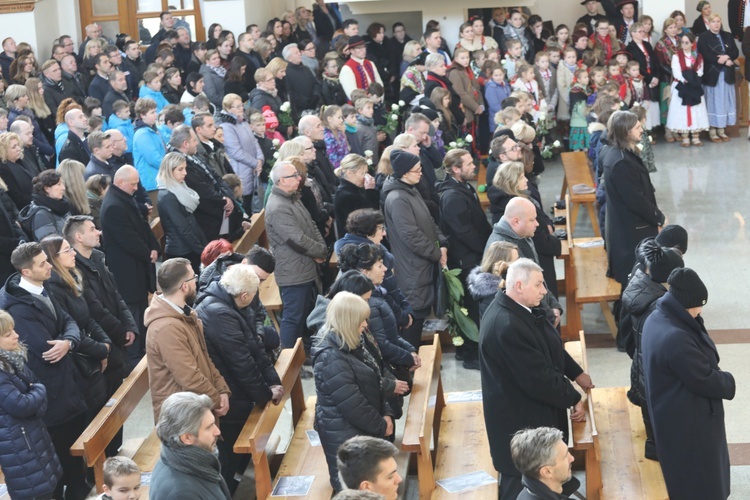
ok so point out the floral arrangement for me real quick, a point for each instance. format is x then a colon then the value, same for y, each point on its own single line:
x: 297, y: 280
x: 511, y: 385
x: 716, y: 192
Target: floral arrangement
x: 285, y: 115
x: 550, y: 150
x: 458, y: 315
x: 460, y: 143
x: 392, y: 118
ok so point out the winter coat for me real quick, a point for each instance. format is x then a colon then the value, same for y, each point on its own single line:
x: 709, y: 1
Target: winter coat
x: 259, y: 98
x: 650, y: 67
x: 27, y: 456
x: 350, y: 400
x: 394, y: 349
x: 128, y: 242
x: 434, y: 81
x: 74, y: 149
x: 325, y: 169
x: 242, y: 149
x: 11, y: 235
x: 524, y: 370
x: 36, y: 325
x: 632, y: 213
x: 183, y: 234
x: 415, y: 241
x: 464, y: 222
x: 294, y: 239
x: 303, y: 87
x: 168, y: 483
x: 467, y: 88
x: 494, y: 95
x: 710, y: 47
x: 109, y: 100
x: 236, y: 352
x: 684, y: 391
x: 483, y: 287
x: 349, y: 198
x: 177, y: 355
x: 99, y: 87
x: 534, y: 489
x: 40, y: 140
x: 214, y: 157
x: 19, y: 182
x: 48, y: 216
x: 148, y: 151
x: 93, y: 339
x: 212, y: 190
x: 332, y: 92
x: 213, y: 85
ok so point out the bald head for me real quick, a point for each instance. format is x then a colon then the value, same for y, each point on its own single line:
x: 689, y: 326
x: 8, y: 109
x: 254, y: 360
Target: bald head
x: 126, y: 178
x: 520, y: 214
x: 119, y: 143
x: 25, y: 132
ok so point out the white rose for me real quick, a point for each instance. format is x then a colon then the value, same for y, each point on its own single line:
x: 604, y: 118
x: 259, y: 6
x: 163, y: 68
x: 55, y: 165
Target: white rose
x: 368, y: 153
x: 394, y: 107
x: 276, y: 155
x: 650, y: 139
x: 469, y: 138
x: 285, y: 107
x: 457, y: 341
x: 394, y: 117
x: 369, y: 161
x: 640, y: 147
x: 542, y: 116
x: 276, y: 143
x: 452, y: 144
x: 401, y: 104
x: 556, y: 144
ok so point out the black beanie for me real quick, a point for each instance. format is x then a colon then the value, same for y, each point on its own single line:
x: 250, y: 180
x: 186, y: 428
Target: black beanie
x: 687, y: 288
x: 402, y: 161
x: 659, y: 261
x: 673, y: 236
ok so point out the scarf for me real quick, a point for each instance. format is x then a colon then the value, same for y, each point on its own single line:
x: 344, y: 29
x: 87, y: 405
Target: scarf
x: 197, y: 462
x: 58, y: 207
x: 365, y: 121
x: 186, y: 196
x: 16, y: 358
x: 219, y: 70
x: 519, y: 34
x: 51, y: 83
x: 350, y: 129
x: 571, y: 67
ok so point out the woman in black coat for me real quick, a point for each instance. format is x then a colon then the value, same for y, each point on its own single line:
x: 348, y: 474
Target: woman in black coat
x: 27, y: 456
x: 684, y: 391
x: 356, y: 190
x: 10, y: 233
x: 177, y: 202
x: 435, y: 65
x: 632, y: 212
x: 348, y: 381
x: 18, y: 180
x: 66, y: 287
x: 239, y: 356
x: 49, y: 209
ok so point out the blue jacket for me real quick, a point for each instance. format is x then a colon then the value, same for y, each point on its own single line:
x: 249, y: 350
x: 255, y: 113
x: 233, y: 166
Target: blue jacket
x: 61, y: 135
x: 27, y: 456
x: 148, y: 150
x: 157, y: 97
x: 165, y: 132
x: 494, y: 95
x: 125, y: 127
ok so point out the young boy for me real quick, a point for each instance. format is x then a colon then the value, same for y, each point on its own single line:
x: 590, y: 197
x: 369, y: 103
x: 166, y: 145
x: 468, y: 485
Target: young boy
x: 258, y: 126
x: 366, y: 132
x: 375, y: 92
x: 512, y: 57
x: 349, y: 114
x: 555, y: 54
x: 478, y: 58
x: 171, y: 117
x: 235, y: 184
x: 120, y: 120
x: 122, y: 480
x: 615, y: 72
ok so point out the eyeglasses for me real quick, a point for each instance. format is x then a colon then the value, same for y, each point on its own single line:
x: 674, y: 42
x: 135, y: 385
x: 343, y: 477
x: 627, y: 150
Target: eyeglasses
x: 195, y: 277
x: 69, y: 250
x: 295, y: 174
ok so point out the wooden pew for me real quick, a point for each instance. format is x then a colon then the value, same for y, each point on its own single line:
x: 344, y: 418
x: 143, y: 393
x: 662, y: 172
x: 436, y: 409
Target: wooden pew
x: 270, y: 297
x: 97, y: 436
x: 482, y: 180
x: 158, y: 231
x: 577, y: 171
x: 255, y: 437
x: 456, y: 429
x: 256, y: 234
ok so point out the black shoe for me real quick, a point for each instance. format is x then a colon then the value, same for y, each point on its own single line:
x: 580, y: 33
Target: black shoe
x: 306, y: 374
x: 471, y: 364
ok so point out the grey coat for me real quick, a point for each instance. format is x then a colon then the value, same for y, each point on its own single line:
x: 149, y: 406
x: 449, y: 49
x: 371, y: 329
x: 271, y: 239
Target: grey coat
x: 415, y: 241
x: 170, y: 484
x: 294, y: 239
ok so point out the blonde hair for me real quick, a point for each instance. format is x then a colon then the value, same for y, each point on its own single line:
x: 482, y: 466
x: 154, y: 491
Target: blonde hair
x: 6, y: 325
x: 523, y: 131
x: 228, y: 100
x: 384, y: 164
x: 344, y: 315
x: 275, y: 65
x: 291, y: 148
x: 497, y: 258
x: 71, y: 173
x: 409, y: 50
x: 350, y: 163
x: 507, y: 176
x: 403, y: 141
x: 36, y: 101
x: 165, y: 176
x: 5, y: 139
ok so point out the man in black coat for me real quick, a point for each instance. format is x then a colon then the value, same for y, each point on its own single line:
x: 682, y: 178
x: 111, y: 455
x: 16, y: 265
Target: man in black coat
x: 238, y: 354
x: 684, y: 391
x: 591, y: 17
x: 209, y: 150
x: 524, y: 369
x: 74, y: 147
x: 245, y: 46
x: 131, y: 250
x: 118, y: 86
x: 303, y: 87
x: 72, y: 79
x: 99, y: 85
x: 621, y: 16
x: 54, y: 88
x: 32, y: 160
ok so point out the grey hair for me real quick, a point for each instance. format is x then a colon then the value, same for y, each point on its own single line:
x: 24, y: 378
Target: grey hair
x: 287, y: 49
x: 240, y: 279
x: 532, y: 449
x: 181, y: 413
x: 415, y: 119
x: 520, y: 271
x: 291, y: 148
x: 433, y: 60
x: 276, y: 170
x: 180, y: 134
x: 305, y: 123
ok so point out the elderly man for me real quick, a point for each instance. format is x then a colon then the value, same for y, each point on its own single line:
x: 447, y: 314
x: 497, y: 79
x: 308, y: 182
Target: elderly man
x: 93, y: 31
x: 418, y: 125
x: 32, y: 160
x: 54, y: 88
x: 369, y: 464
x: 358, y: 72
x: 72, y: 79
x: 178, y: 359
x: 131, y: 249
x: 303, y: 87
x: 298, y: 247
x: 545, y: 463
x: 74, y: 147
x: 188, y: 466
x: 311, y: 127
x: 524, y: 370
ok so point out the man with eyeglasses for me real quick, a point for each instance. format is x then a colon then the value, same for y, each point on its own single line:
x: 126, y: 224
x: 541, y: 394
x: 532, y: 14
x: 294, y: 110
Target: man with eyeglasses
x: 502, y: 148
x: 298, y: 247
x: 178, y: 359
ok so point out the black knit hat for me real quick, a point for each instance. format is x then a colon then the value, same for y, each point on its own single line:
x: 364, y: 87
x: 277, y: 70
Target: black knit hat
x: 402, y: 161
x: 687, y: 288
x: 673, y: 236
x: 659, y: 261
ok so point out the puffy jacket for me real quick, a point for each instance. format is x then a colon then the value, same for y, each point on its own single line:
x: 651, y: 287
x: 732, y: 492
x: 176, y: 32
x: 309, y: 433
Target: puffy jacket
x: 213, y: 85
x: 383, y: 326
x: 483, y: 287
x: 184, y: 236
x: 154, y: 95
x: 148, y: 151
x: 242, y: 149
x: 350, y: 401
x: 236, y: 352
x: 125, y: 127
x: 42, y: 220
x: 27, y: 457
x: 259, y: 98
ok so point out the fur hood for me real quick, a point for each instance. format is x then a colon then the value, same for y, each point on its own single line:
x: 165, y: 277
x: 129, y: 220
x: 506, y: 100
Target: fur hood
x: 483, y: 284
x: 597, y: 127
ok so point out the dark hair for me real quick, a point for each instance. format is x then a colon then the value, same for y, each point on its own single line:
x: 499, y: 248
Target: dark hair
x: 364, y: 222
x: 374, y: 29
x: 509, y: 102
x: 210, y: 33
x: 172, y: 113
x: 533, y: 19
x: 234, y: 74
x: 120, y: 41
x: 171, y: 34
x: 353, y: 282
x: 46, y: 179
x: 199, y: 119
x: 430, y: 31
x: 198, y: 46
x: 689, y: 34
x: 359, y: 458
x: 74, y: 223
x: 618, y: 129
x: 173, y: 273
x: 90, y: 104
x: 109, y: 49
x: 271, y: 24
x: 259, y: 256
x: 191, y: 79
x: 362, y: 256
x: 127, y: 44
x: 24, y: 254
x: 349, y: 22
x: 98, y: 58
x: 398, y: 24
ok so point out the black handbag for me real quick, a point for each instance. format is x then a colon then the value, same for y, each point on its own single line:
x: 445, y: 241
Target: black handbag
x: 440, y: 304
x: 87, y: 365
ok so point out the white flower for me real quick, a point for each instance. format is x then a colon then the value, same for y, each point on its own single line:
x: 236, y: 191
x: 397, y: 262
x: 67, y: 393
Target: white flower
x: 469, y: 138
x: 650, y: 139
x: 556, y: 144
x: 622, y: 104
x: 394, y: 107
x: 640, y: 147
x: 458, y: 341
x: 401, y: 104
x: 276, y: 143
x: 276, y: 155
x: 452, y: 144
x: 394, y: 117
x: 285, y: 107
x: 542, y: 116
x: 369, y: 161
x: 368, y: 153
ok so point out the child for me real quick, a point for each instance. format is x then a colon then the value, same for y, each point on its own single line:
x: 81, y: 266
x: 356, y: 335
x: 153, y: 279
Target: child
x: 120, y: 120
x: 623, y: 58
x: 597, y: 77
x: 588, y: 59
x: 152, y: 89
x: 375, y: 92
x: 525, y: 105
x: 495, y: 92
x: 647, y: 152
x: 555, y: 55
x: 525, y: 81
x: 512, y: 57
x: 636, y: 90
x: 96, y: 124
x: 350, y: 127
x: 367, y: 135
x: 122, y: 479
x: 441, y: 98
x: 92, y: 107
x: 272, y: 123
x: 171, y: 116
x: 507, y: 117
x: 579, y: 93
x: 234, y: 183
x: 686, y: 116
x: 478, y: 58
x: 493, y: 55
x: 546, y: 79
x: 258, y: 126
x: 615, y: 72
x: 565, y: 74
x: 334, y: 134
x: 515, y: 30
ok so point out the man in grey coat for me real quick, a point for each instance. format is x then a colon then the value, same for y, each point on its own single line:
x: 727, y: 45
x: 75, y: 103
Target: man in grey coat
x: 298, y: 247
x: 517, y: 226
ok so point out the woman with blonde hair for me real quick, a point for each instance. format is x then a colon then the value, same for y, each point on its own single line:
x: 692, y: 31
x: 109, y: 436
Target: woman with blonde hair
x: 18, y: 180
x: 356, y: 190
x: 384, y: 168
x: 71, y: 172
x: 17, y: 97
x: 348, y: 381
x: 510, y: 181
x: 277, y: 67
x: 488, y: 278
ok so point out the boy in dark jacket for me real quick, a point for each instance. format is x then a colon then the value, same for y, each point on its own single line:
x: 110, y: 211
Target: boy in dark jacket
x: 351, y: 127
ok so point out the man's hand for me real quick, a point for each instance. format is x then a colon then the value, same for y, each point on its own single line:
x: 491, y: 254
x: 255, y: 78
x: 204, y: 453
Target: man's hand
x: 228, y: 206
x: 443, y: 256
x: 558, y: 316
x: 320, y: 260
x: 130, y: 338
x: 278, y: 393
x: 401, y: 388
x: 417, y: 360
x: 411, y: 320
x: 388, y: 425
x: 578, y: 413
x: 479, y: 110
x: 246, y: 225
x: 584, y: 381
x: 154, y: 256
x: 223, y: 405
x: 654, y: 82
x: 380, y: 136
x: 104, y: 364
x: 60, y: 349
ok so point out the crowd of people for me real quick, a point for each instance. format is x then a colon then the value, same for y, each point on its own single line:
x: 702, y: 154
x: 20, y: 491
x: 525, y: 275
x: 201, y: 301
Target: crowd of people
x: 364, y: 146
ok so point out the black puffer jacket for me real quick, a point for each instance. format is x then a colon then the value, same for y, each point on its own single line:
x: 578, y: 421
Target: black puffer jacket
x: 483, y: 287
x: 236, y: 352
x: 638, y: 302
x: 350, y: 400
x: 184, y: 236
x: 384, y: 328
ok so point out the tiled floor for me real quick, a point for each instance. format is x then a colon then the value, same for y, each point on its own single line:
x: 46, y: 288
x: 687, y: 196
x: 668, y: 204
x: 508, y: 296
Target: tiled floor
x: 703, y: 189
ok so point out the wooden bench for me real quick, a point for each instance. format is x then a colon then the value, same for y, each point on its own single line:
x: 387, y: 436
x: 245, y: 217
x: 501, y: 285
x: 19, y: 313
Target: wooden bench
x: 482, y: 181
x: 255, y: 437
x: 100, y: 432
x: 158, y: 231
x: 577, y: 171
x: 270, y: 297
x: 456, y: 430
x: 256, y: 234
